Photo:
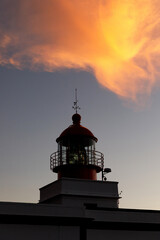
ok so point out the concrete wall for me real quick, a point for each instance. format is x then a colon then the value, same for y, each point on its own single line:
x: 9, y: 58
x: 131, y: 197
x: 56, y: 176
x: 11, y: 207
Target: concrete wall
x: 41, y: 232
x: 76, y: 192
x: 121, y: 234
x: 38, y: 232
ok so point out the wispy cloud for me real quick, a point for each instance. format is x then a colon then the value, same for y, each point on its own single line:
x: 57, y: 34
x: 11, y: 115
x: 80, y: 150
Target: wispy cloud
x: 118, y: 40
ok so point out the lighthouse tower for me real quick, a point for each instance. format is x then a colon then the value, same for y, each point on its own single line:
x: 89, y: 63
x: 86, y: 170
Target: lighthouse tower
x: 76, y: 163
x: 76, y: 156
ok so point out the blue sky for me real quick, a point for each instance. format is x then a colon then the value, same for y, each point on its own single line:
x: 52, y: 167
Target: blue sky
x: 49, y: 48
x: 37, y: 106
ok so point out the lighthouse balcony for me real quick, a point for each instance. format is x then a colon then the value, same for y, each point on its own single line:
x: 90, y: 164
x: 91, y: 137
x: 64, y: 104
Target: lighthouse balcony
x: 89, y: 158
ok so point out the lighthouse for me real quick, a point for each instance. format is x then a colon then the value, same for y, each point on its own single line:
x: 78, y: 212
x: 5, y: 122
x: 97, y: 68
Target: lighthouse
x: 77, y: 156
x: 77, y: 163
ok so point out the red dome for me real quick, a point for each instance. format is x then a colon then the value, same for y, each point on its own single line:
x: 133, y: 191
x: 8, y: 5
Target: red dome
x: 76, y: 129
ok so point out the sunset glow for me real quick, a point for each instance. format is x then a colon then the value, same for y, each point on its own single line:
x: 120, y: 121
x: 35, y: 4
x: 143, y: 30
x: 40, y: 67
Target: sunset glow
x: 118, y: 41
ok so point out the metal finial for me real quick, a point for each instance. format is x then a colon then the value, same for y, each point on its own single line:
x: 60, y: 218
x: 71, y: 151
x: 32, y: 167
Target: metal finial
x: 75, y: 104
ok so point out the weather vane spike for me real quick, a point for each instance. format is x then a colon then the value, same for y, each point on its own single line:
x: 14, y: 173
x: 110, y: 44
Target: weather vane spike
x: 75, y: 104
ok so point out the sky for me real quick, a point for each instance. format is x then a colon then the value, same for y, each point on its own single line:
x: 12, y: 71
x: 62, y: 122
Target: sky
x: 109, y: 51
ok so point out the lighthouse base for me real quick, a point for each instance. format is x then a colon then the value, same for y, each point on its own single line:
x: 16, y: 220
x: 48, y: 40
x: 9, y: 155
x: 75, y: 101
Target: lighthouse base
x: 78, y: 171
x: 78, y: 192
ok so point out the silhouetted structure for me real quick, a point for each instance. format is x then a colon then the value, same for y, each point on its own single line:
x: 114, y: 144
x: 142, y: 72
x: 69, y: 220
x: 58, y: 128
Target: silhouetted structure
x: 77, y: 163
x: 76, y: 156
x: 77, y: 206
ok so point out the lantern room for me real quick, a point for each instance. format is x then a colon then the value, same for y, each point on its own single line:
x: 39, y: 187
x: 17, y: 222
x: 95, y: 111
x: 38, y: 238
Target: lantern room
x: 76, y: 156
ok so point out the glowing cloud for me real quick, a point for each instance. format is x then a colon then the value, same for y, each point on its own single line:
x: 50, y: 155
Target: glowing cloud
x: 118, y: 40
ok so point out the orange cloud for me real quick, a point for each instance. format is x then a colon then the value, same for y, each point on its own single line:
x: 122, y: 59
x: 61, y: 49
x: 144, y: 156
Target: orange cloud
x: 118, y: 40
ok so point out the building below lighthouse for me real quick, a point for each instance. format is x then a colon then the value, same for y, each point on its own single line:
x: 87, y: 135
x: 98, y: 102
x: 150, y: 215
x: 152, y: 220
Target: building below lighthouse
x: 77, y: 206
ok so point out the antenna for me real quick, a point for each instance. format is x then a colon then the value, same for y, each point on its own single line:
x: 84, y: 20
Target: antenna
x: 75, y: 104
